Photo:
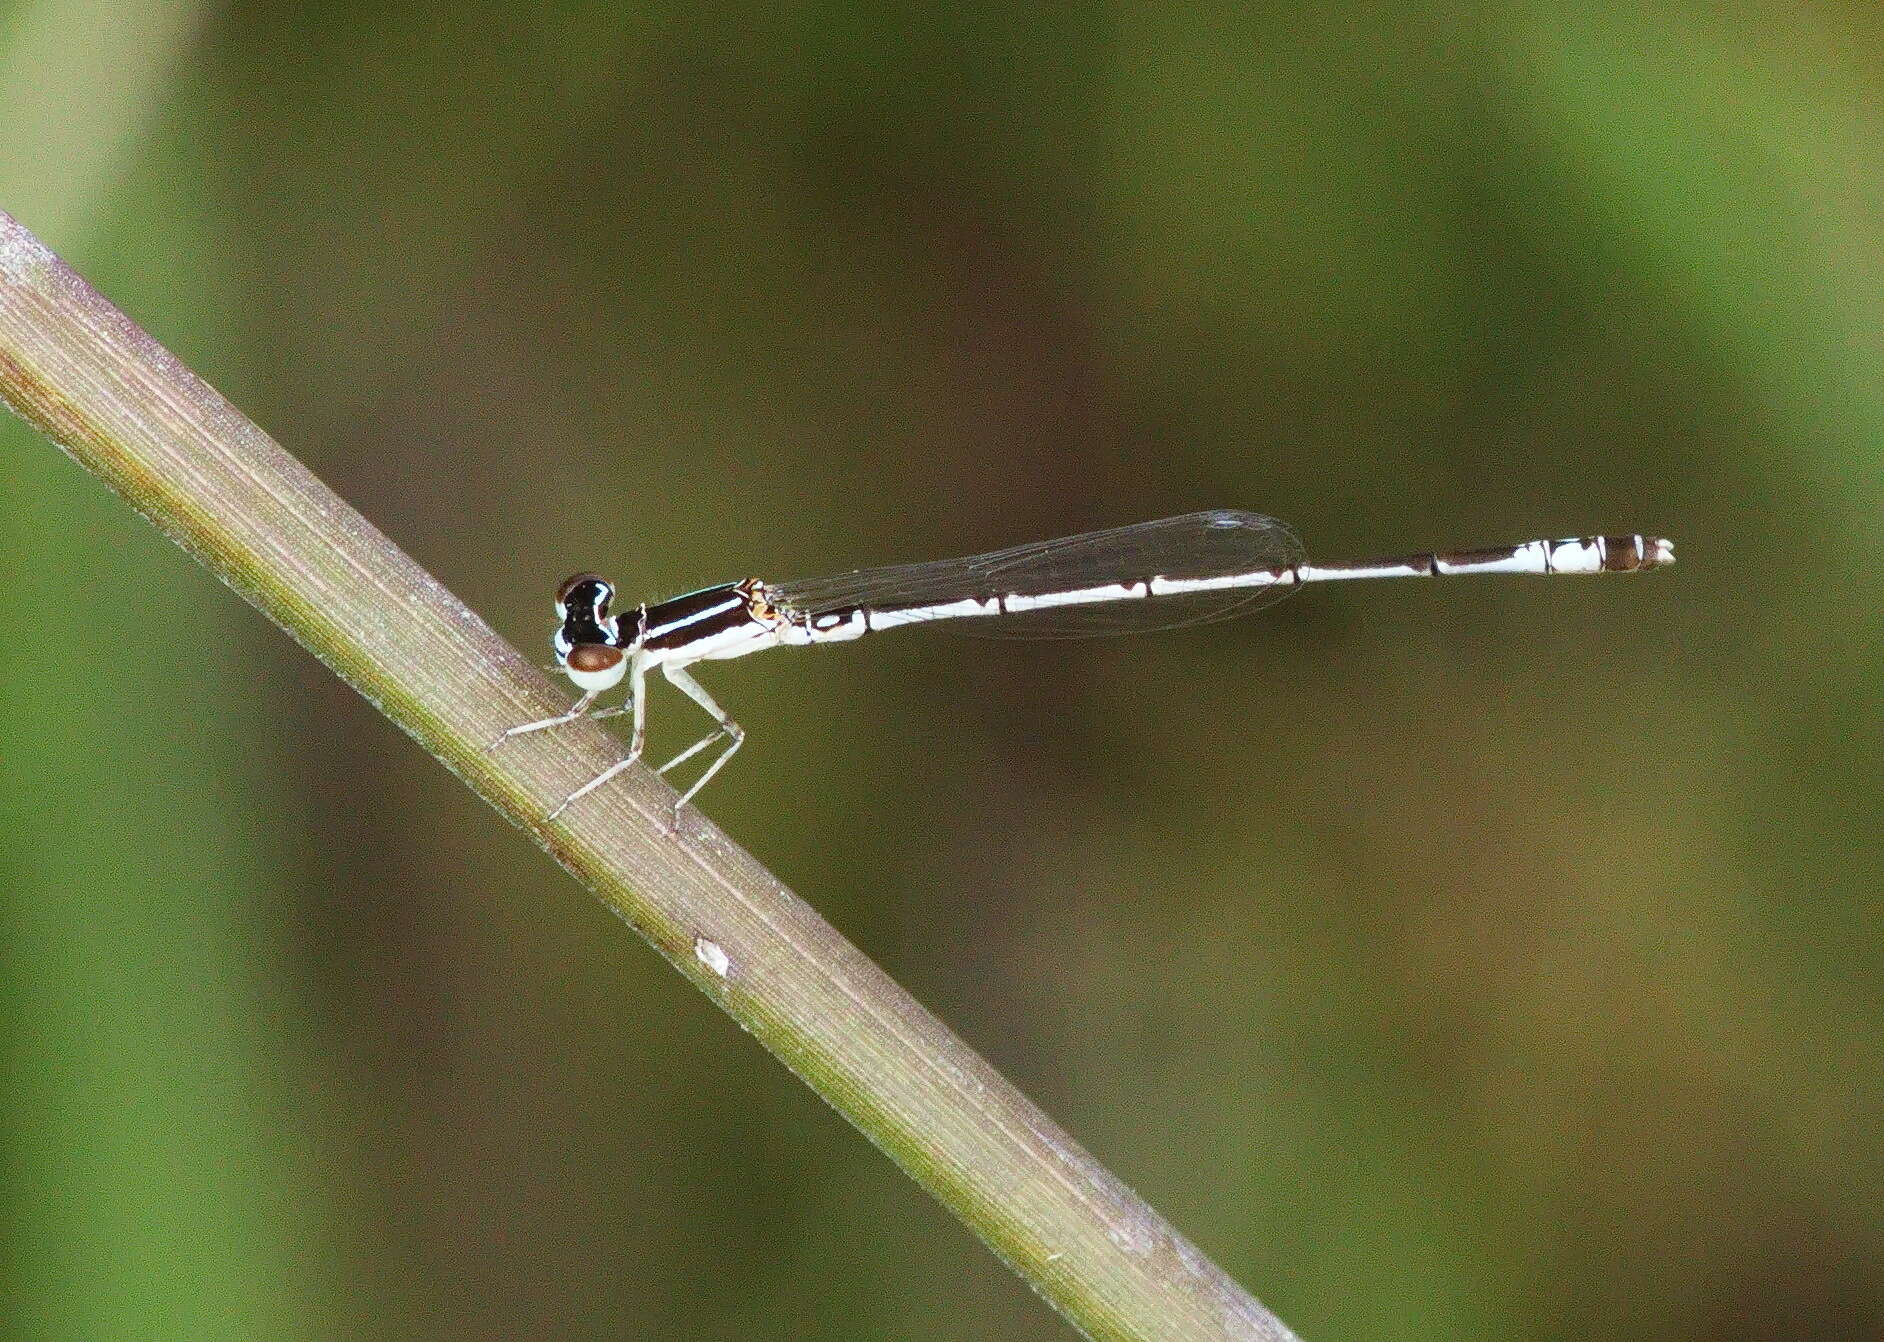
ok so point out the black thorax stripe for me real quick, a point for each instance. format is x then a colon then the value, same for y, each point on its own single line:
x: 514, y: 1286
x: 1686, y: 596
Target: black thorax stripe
x: 695, y: 616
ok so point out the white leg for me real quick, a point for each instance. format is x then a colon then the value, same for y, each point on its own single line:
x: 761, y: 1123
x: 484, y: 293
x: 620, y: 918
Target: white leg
x: 638, y: 705
x: 617, y: 711
x: 638, y: 735
x: 734, y: 733
x: 576, y: 710
x: 589, y: 787
x: 693, y: 749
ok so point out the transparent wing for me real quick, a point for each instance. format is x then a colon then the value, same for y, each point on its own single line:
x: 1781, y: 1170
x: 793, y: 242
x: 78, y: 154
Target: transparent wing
x: 1197, y: 545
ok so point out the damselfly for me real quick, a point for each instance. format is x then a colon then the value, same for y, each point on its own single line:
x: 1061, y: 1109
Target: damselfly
x: 1155, y: 575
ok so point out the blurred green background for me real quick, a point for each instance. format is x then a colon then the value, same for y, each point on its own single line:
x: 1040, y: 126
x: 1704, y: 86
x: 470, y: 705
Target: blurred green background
x: 1494, y: 959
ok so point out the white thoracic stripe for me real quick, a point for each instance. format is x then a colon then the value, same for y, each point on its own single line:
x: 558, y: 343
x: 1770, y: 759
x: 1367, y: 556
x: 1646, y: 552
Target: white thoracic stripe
x: 749, y: 636
x: 731, y: 603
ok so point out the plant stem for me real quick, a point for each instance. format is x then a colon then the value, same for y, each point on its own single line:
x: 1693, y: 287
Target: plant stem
x: 123, y: 407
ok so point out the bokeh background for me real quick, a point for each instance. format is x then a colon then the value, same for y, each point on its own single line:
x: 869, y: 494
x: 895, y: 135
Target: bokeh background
x: 1494, y: 959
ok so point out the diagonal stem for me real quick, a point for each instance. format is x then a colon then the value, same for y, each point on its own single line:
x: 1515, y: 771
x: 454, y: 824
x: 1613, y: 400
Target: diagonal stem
x: 124, y: 408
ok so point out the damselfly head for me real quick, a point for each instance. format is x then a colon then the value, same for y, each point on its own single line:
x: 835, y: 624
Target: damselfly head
x: 584, y: 594
x: 582, y: 608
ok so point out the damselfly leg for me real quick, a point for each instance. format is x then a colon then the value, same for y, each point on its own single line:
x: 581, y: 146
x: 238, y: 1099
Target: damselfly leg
x: 574, y: 711
x: 735, y: 734
x: 637, y: 737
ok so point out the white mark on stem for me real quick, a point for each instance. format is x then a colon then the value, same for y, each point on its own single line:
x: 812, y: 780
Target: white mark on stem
x: 709, y: 954
x: 21, y: 254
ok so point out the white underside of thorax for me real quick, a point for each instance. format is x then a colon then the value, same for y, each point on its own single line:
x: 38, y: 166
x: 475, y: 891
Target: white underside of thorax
x: 750, y: 637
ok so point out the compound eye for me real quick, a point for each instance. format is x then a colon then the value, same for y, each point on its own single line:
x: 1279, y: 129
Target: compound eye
x: 595, y: 666
x: 593, y: 657
x: 585, y: 591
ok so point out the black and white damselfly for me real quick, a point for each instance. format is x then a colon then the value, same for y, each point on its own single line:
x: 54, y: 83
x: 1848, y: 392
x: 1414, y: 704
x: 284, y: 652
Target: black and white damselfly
x: 1155, y: 575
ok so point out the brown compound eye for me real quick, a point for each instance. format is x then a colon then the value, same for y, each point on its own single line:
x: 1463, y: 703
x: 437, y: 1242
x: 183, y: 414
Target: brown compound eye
x: 595, y: 666
x: 591, y: 658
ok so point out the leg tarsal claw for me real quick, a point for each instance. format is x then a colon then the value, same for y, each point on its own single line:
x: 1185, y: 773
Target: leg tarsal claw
x: 574, y: 711
x: 594, y: 783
